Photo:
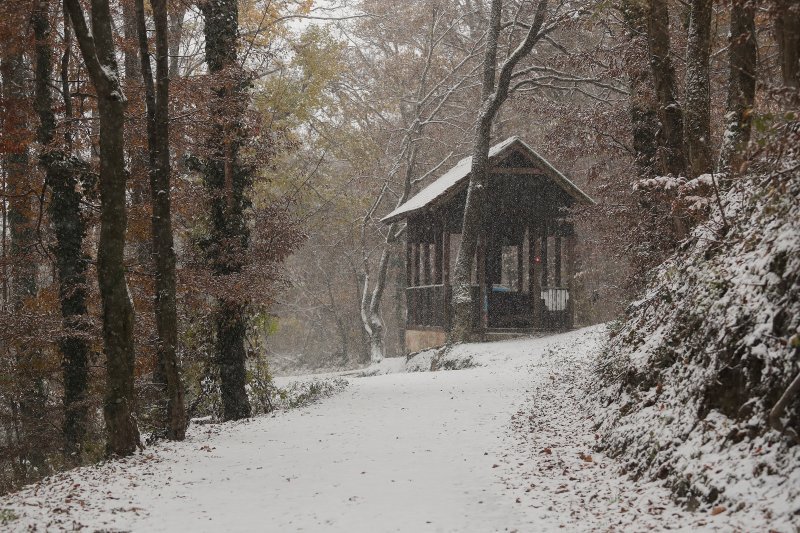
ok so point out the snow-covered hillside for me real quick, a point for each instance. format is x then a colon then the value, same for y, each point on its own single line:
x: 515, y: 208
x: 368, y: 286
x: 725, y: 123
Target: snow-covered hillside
x: 692, y: 372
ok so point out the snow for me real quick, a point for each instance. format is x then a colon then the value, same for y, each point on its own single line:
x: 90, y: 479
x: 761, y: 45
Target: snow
x: 456, y: 175
x: 503, y: 445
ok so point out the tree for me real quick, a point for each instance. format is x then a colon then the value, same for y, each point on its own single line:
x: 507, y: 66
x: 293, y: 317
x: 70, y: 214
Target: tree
x: 227, y: 179
x: 669, y: 108
x: 787, y: 32
x: 697, y: 123
x: 436, y: 80
x: 495, y: 91
x: 157, y: 101
x: 742, y: 55
x: 63, y: 173
x: 97, y: 48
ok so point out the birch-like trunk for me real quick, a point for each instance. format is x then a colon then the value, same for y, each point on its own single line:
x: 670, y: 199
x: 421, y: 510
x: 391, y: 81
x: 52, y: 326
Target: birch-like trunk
x: 494, y: 91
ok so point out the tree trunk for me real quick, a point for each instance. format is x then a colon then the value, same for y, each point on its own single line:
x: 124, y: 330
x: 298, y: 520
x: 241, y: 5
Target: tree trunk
x: 787, y: 33
x: 643, y: 109
x: 669, y: 109
x: 227, y: 179
x: 61, y: 175
x: 742, y: 53
x: 98, y: 51
x: 476, y: 191
x: 698, y: 111
x: 492, y: 98
x: 20, y: 187
x: 167, y: 373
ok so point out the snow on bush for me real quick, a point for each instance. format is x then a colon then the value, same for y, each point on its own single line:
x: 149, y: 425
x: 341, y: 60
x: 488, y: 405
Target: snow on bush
x: 689, y: 377
x: 449, y: 357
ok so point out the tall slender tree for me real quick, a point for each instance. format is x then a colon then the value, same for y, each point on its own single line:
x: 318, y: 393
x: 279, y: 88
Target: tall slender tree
x: 96, y: 43
x: 742, y: 56
x: 62, y: 175
x: 227, y: 180
x: 669, y: 109
x: 697, y: 125
x: 167, y: 374
x: 494, y: 92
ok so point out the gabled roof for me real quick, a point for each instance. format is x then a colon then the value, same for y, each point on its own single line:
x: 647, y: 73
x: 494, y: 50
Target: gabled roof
x: 456, y: 177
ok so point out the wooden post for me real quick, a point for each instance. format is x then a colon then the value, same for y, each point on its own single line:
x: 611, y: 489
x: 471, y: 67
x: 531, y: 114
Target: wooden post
x: 446, y: 257
x: 535, y: 277
x: 425, y: 257
x: 446, y: 278
x: 438, y: 257
x: 409, y: 263
x: 543, y: 255
x: 484, y: 317
x: 571, y: 281
x: 416, y: 265
x: 557, y: 261
x: 520, y: 264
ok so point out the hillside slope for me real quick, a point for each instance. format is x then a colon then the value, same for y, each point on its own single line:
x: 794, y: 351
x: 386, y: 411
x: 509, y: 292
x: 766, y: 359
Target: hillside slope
x: 690, y: 375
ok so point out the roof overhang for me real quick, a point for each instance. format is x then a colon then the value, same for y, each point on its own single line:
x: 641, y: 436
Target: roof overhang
x: 455, y: 179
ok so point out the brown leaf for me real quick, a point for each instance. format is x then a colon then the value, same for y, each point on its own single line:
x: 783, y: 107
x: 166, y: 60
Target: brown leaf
x: 717, y: 510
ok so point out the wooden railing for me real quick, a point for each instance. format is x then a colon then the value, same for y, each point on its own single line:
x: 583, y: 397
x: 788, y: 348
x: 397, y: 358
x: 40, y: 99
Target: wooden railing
x: 430, y: 306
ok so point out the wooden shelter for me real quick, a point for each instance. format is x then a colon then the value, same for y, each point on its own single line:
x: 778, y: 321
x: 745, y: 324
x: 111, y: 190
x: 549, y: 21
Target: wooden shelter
x: 525, y: 262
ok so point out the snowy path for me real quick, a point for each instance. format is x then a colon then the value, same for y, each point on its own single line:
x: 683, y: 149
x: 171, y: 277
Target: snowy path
x: 500, y: 447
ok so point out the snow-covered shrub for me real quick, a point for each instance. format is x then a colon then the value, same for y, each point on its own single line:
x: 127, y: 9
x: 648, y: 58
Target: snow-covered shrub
x: 449, y: 357
x: 688, y: 378
x: 421, y: 361
x: 306, y: 392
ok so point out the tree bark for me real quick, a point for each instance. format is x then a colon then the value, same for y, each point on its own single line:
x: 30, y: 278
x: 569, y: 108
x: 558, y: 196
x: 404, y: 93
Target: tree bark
x: 698, y: 99
x: 61, y: 175
x: 669, y: 109
x: 167, y: 373
x: 494, y: 91
x: 787, y: 33
x: 21, y: 214
x: 643, y: 108
x: 742, y: 53
x: 98, y: 51
x: 227, y: 179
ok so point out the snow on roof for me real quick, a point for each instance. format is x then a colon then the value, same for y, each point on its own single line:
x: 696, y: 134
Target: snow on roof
x: 454, y: 177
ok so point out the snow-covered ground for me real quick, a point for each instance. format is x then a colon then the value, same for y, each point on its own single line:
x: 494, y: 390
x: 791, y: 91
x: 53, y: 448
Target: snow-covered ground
x: 504, y: 446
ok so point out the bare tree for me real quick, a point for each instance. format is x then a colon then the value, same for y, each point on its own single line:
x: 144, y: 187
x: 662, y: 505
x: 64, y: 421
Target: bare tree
x: 430, y: 92
x: 495, y: 91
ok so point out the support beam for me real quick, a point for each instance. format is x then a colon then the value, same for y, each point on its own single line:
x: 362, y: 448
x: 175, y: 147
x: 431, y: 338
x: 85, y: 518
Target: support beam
x: 425, y: 257
x: 484, y: 317
x: 446, y: 258
x: 409, y: 264
x: 543, y: 255
x: 557, y: 261
x: 571, y: 280
x: 415, y: 281
x: 535, y: 276
x: 438, y: 257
